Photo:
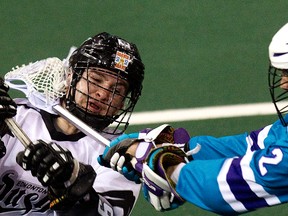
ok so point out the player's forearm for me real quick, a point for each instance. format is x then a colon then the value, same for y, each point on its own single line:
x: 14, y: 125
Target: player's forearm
x: 173, y: 172
x: 198, y: 184
x: 236, y: 185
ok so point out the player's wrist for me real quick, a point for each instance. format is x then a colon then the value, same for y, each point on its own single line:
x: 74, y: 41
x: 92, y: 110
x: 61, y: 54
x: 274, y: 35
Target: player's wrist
x: 132, y: 149
x: 174, y: 171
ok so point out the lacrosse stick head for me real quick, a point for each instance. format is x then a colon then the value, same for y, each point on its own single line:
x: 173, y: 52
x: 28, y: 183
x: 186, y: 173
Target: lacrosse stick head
x: 100, y: 60
x: 43, y: 82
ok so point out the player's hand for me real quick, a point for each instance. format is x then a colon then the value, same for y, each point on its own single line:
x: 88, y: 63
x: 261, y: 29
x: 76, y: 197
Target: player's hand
x: 8, y: 107
x: 127, y: 153
x: 117, y: 157
x: 2, y: 149
x: 68, y: 180
x: 49, y: 162
x: 158, y: 187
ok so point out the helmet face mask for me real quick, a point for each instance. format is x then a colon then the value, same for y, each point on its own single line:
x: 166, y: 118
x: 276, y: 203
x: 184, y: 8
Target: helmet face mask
x: 278, y: 82
x: 107, y: 76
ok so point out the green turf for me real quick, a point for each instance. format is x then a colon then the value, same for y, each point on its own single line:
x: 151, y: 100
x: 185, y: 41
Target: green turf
x: 197, y: 53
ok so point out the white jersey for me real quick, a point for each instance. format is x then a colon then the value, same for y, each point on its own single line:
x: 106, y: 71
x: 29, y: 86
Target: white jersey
x: 22, y: 194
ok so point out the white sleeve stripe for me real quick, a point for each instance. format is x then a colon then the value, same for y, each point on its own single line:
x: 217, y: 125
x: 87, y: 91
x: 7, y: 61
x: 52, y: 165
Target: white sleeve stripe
x: 250, y: 143
x: 249, y: 177
x: 262, y: 135
x: 225, y: 190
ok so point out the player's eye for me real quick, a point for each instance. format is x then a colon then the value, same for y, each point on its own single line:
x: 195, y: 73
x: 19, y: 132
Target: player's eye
x: 95, y: 79
x: 285, y: 73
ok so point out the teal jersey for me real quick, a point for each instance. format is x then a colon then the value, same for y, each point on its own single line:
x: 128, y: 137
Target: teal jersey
x: 240, y: 173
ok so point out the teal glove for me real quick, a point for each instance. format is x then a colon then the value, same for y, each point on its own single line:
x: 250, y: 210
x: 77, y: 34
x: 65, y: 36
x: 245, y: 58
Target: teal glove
x: 112, y: 156
x: 131, y: 166
x: 158, y: 188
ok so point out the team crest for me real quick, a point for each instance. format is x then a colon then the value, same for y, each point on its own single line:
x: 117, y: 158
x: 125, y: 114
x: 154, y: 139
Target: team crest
x: 121, y: 60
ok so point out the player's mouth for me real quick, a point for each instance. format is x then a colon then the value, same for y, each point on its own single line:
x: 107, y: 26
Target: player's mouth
x: 94, y: 107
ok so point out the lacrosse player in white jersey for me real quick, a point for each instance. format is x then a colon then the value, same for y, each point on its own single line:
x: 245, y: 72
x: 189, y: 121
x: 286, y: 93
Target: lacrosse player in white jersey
x: 59, y: 173
x: 228, y: 175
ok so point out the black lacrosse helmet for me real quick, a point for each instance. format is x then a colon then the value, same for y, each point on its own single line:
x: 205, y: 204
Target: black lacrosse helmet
x: 106, y: 51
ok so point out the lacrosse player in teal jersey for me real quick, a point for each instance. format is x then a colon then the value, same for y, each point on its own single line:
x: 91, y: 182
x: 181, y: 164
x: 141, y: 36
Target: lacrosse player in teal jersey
x: 228, y: 175
x: 59, y: 174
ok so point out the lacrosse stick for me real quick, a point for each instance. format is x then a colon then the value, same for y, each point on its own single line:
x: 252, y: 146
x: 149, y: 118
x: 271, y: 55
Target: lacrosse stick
x: 18, y: 132
x: 43, y: 82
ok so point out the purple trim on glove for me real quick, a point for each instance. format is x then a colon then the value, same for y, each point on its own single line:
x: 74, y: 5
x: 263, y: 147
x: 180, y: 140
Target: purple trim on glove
x: 141, y: 154
x: 152, y: 187
x: 181, y: 136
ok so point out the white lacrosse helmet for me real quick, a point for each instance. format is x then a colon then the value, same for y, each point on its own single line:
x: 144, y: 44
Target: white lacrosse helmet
x: 278, y: 72
x: 278, y: 49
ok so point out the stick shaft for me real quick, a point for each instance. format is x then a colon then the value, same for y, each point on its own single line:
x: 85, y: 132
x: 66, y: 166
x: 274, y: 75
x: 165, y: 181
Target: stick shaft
x: 80, y: 124
x: 25, y: 140
x: 18, y: 132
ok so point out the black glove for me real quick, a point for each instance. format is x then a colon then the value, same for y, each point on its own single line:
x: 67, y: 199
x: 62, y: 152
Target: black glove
x: 54, y: 166
x: 2, y: 149
x: 49, y: 162
x: 7, y: 107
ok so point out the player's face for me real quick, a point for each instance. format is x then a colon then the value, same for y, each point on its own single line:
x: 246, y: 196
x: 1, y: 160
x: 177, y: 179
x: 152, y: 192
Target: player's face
x: 284, y: 80
x: 101, y: 92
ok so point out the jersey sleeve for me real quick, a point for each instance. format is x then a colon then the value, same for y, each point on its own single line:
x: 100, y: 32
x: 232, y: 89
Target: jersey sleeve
x: 213, y: 148
x: 231, y: 185
x: 228, y: 146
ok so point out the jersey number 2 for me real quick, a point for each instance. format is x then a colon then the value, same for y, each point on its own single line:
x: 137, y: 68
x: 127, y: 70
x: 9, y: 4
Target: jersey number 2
x: 278, y: 156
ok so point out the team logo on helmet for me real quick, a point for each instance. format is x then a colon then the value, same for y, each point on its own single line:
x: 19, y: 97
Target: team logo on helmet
x: 121, y: 60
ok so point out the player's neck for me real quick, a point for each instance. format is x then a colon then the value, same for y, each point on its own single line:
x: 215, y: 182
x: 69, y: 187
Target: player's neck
x: 62, y: 125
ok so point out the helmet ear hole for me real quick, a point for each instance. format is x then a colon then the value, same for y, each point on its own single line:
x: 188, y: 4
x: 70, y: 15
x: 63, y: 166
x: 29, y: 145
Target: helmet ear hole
x: 114, y: 54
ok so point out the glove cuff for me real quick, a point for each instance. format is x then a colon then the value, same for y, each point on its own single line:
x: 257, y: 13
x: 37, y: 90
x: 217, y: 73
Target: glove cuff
x: 175, y: 174
x: 169, y: 159
x: 74, y: 174
x: 155, y: 170
x: 60, y: 198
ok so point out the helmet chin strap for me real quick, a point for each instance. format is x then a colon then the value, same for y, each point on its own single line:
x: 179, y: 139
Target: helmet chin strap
x: 95, y: 121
